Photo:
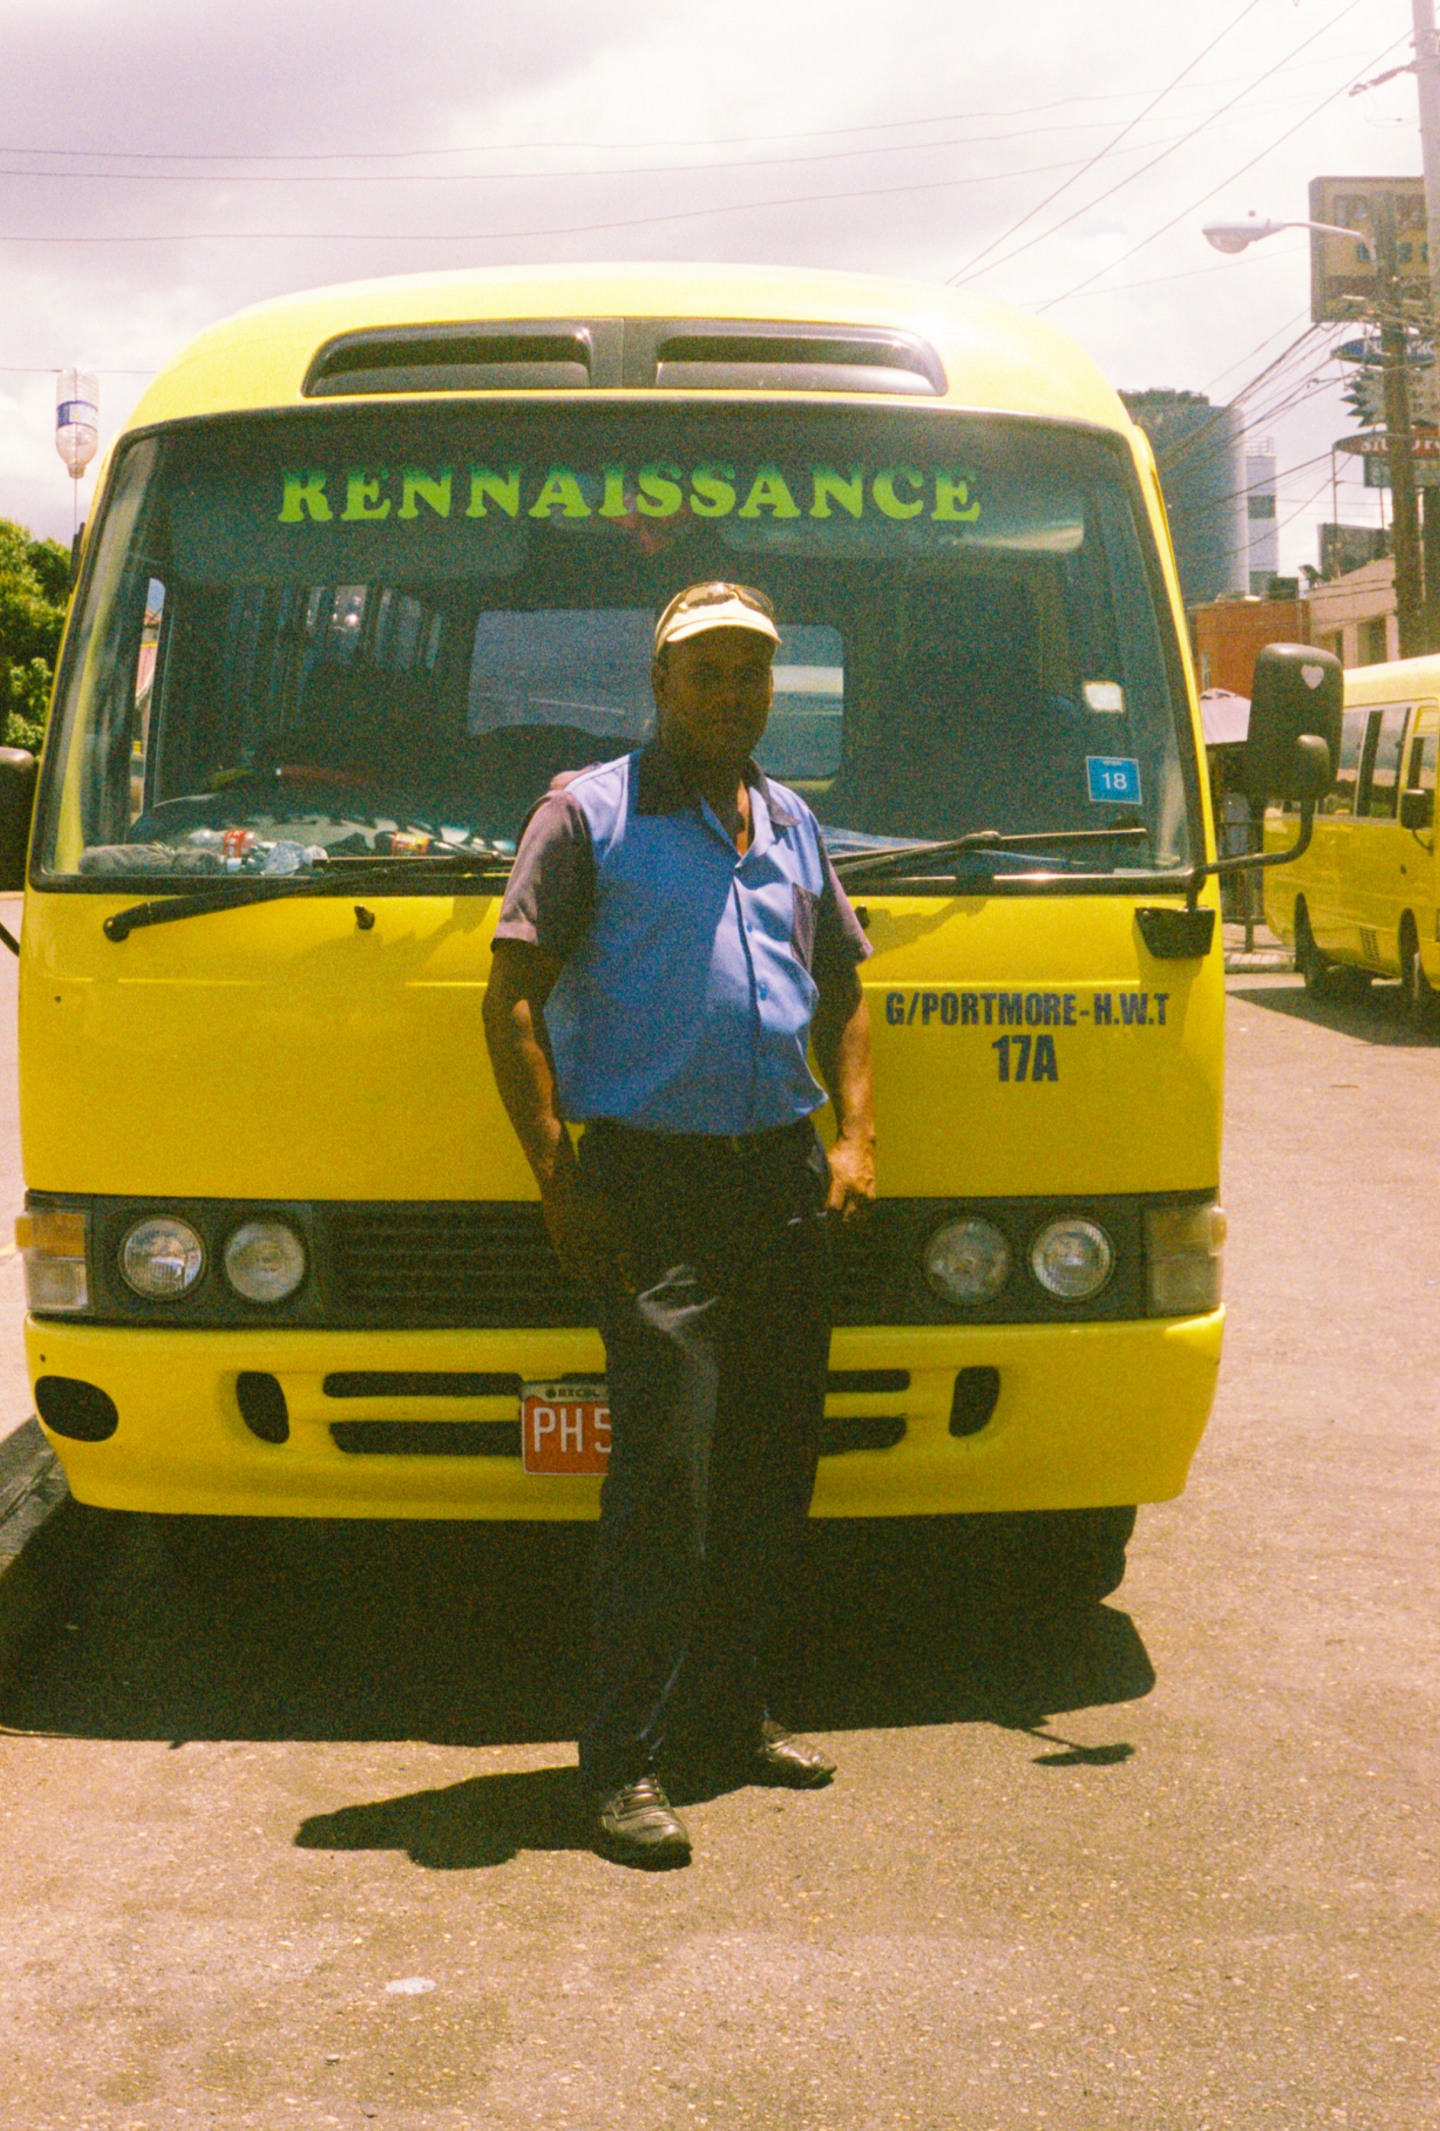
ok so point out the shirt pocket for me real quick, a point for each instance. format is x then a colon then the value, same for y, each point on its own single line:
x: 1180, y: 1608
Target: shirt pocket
x: 802, y: 925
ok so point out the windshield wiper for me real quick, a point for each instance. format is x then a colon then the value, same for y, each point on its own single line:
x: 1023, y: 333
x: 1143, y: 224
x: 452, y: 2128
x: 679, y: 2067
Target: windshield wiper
x: 336, y: 877
x: 895, y: 857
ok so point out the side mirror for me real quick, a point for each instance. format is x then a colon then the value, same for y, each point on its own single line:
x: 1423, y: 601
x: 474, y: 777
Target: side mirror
x: 1417, y: 808
x: 17, y: 803
x: 1298, y: 693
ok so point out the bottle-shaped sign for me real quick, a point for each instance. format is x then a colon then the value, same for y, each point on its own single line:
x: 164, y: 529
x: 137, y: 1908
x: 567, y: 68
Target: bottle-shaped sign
x: 77, y: 419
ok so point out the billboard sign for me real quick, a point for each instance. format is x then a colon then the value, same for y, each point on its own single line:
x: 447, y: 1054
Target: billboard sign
x: 1374, y: 450
x: 1344, y: 275
x: 1375, y: 444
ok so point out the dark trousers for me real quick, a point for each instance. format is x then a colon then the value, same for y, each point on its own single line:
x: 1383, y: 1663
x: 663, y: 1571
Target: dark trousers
x: 716, y: 1370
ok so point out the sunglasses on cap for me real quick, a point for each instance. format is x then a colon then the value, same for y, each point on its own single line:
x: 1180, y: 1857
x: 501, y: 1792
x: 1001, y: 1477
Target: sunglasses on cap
x: 715, y: 606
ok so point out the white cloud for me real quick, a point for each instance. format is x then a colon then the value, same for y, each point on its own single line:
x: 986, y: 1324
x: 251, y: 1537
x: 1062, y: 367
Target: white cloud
x: 361, y: 78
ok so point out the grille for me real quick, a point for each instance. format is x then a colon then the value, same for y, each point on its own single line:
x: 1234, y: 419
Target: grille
x: 491, y: 1264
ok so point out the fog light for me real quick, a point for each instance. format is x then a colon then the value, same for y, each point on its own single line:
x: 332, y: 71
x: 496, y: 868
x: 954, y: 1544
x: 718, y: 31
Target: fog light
x: 967, y: 1261
x: 1184, y: 1258
x: 70, y: 1407
x: 1072, y: 1258
x: 52, y: 1242
x: 162, y: 1258
x: 264, y: 1261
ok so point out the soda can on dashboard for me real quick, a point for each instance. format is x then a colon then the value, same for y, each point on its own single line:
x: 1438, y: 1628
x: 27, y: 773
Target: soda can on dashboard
x: 237, y: 845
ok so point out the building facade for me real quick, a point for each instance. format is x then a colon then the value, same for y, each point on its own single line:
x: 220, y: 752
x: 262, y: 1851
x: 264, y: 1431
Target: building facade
x: 1354, y: 616
x: 1199, y: 450
x: 1260, y: 515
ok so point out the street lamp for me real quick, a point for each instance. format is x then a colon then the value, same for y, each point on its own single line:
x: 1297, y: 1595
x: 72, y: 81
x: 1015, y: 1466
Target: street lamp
x: 1234, y: 236
x: 1395, y: 355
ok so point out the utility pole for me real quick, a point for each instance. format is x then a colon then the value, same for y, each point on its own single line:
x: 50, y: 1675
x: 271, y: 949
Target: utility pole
x: 1427, y: 74
x: 1404, y: 501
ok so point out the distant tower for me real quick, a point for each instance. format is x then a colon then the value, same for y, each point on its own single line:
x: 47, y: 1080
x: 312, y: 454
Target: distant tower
x: 1199, y: 451
x: 1260, y: 510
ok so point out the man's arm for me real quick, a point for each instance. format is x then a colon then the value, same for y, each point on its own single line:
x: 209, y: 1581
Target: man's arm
x: 586, y: 1236
x: 841, y: 1032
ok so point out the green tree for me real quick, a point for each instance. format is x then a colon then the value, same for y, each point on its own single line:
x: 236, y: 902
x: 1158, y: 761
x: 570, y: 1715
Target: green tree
x: 34, y: 589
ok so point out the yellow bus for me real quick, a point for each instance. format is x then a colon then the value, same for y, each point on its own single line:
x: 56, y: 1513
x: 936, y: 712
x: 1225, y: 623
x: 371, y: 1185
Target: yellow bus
x: 368, y: 567
x: 1362, y: 903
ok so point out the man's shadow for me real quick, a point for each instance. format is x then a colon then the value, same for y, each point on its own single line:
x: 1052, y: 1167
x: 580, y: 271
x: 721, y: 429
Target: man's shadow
x: 900, y: 1632
x: 475, y: 1636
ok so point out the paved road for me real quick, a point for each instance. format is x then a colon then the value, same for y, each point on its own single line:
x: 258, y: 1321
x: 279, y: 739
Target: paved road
x: 1169, y: 1866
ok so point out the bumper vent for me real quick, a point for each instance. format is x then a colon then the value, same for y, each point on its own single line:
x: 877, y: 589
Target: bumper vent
x: 427, y: 1439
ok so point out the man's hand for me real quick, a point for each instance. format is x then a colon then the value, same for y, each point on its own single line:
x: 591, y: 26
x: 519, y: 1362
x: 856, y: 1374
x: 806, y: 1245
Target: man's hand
x: 842, y: 1046
x: 852, y: 1177
x: 590, y: 1241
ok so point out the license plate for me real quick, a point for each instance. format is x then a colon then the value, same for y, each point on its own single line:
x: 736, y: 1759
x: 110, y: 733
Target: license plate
x: 565, y: 1428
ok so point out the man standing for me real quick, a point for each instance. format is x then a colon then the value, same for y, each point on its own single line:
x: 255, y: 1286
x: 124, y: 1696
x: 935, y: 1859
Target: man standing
x: 672, y: 936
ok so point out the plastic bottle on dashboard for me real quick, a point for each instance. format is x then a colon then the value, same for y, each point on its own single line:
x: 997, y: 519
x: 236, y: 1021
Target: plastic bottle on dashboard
x: 288, y: 857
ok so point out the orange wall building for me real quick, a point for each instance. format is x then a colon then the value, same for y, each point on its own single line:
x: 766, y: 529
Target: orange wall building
x: 1229, y: 632
x: 1353, y: 616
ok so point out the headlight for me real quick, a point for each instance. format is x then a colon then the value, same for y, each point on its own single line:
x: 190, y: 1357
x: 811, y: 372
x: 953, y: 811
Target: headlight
x: 1184, y: 1258
x: 52, y: 1242
x: 162, y: 1258
x: 264, y: 1261
x: 967, y: 1261
x: 1072, y: 1258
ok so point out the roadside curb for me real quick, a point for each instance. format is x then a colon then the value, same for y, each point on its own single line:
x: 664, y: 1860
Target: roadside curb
x: 39, y: 1539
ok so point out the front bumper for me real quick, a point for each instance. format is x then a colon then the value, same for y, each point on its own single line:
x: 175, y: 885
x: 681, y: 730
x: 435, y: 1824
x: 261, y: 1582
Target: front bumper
x: 1087, y: 1415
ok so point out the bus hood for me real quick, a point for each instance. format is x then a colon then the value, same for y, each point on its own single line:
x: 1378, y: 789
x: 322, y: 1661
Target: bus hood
x: 1023, y: 1044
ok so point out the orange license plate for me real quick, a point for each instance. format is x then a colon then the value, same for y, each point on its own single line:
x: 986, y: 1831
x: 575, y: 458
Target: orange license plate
x: 565, y: 1428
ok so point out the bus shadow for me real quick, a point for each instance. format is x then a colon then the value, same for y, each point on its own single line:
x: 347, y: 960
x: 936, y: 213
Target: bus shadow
x: 1377, y: 1014
x: 470, y: 1635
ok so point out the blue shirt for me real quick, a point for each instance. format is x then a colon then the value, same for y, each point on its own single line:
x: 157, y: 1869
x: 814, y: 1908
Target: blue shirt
x: 690, y: 971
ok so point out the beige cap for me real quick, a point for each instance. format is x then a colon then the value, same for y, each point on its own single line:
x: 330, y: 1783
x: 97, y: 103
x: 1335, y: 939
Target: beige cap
x: 715, y: 606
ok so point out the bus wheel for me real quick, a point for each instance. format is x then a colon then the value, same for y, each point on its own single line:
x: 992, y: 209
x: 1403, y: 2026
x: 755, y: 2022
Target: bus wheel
x: 1316, y: 969
x: 1420, y: 995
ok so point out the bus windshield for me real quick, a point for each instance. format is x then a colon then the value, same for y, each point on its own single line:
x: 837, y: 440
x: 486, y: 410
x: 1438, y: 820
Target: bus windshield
x: 382, y: 632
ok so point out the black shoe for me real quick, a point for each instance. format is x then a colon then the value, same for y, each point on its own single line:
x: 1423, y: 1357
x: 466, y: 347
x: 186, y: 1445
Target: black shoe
x: 633, y: 1825
x: 793, y: 1763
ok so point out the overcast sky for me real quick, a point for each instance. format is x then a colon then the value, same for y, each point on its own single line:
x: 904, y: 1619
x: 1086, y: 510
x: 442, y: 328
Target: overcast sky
x: 164, y: 163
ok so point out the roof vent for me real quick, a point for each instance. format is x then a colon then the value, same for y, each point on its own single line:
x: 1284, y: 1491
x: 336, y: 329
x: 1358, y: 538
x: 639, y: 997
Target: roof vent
x: 603, y: 354
x: 532, y: 355
x: 725, y: 357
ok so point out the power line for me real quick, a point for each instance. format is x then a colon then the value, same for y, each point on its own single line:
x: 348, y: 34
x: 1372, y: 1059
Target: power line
x: 1313, y: 497
x: 54, y: 369
x: 734, y: 140
x: 1205, y: 197
x: 510, y: 236
x: 522, y: 177
x: 1259, y: 344
x: 1220, y: 112
x: 1292, y: 393
x: 1190, y: 273
x: 1255, y: 488
x: 1015, y: 227
x: 691, y: 214
x: 1185, y: 447
x: 1301, y: 349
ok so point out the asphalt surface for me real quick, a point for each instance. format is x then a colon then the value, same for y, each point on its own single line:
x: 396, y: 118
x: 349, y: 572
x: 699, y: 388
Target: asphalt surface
x: 287, y: 1836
